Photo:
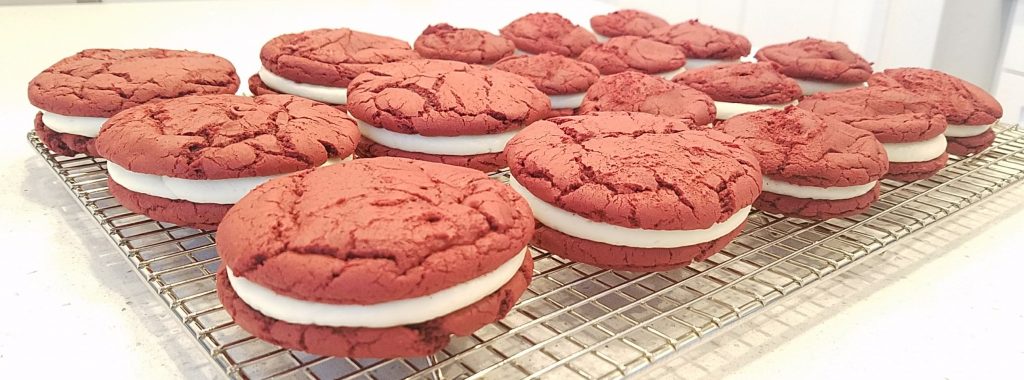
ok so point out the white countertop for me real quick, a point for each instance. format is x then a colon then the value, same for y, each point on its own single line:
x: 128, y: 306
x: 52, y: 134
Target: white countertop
x: 946, y: 305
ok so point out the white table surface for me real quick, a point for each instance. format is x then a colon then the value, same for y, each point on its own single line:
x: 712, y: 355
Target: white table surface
x: 946, y: 305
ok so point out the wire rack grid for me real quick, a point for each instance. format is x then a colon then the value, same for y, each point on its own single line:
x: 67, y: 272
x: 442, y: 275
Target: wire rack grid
x: 575, y: 321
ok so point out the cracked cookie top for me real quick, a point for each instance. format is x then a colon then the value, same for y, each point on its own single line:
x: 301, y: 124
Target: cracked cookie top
x: 635, y: 170
x: 893, y: 115
x: 443, y: 41
x: 373, y: 230
x: 445, y: 98
x: 548, y: 32
x: 750, y: 83
x: 227, y: 136
x: 102, y: 82
x: 638, y: 92
x: 802, y: 148
x: 703, y: 41
x: 623, y: 53
x: 330, y: 57
x: 626, y: 22
x: 811, y: 58
x: 961, y: 101
x: 552, y: 73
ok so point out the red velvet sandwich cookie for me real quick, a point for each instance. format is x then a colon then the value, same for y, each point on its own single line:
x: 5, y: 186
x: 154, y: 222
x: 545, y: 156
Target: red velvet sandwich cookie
x: 538, y: 33
x: 76, y: 95
x: 818, y: 65
x: 814, y: 167
x: 563, y: 79
x: 442, y: 111
x: 443, y: 41
x: 703, y: 44
x: 742, y: 87
x: 187, y: 160
x: 970, y: 111
x: 637, y: 92
x: 634, y: 53
x: 374, y: 258
x: 632, y: 191
x: 908, y: 126
x: 318, y: 64
x: 626, y: 22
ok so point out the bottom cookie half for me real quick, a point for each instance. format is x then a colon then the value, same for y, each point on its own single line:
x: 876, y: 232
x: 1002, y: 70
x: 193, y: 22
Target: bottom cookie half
x: 204, y: 216
x: 965, y: 146
x: 64, y: 144
x: 913, y: 171
x: 815, y: 209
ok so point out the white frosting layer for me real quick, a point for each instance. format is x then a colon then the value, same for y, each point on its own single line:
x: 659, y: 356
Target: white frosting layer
x: 814, y: 192
x: 386, y: 314
x: 811, y: 87
x: 74, y: 125
x: 917, y: 151
x: 567, y: 100
x: 326, y: 94
x: 696, y: 63
x: 446, y: 145
x: 577, y: 226
x: 728, y: 109
x: 217, y: 191
x: 672, y: 73
x: 963, y: 130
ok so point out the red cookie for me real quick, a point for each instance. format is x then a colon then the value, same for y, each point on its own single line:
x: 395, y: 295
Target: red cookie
x: 814, y: 167
x: 815, y: 59
x: 413, y: 103
x: 368, y: 233
x: 330, y: 57
x: 893, y: 115
x: 443, y: 41
x: 624, y: 175
x: 636, y: 92
x: 548, y: 32
x: 214, y: 137
x: 102, y: 82
x: 748, y: 83
x: 626, y: 22
x: 963, y: 103
x: 554, y: 75
x: 624, y: 53
x: 703, y: 41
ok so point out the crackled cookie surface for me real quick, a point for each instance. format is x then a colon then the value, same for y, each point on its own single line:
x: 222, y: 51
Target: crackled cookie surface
x: 563, y: 79
x: 813, y: 58
x: 548, y: 32
x: 814, y: 167
x: 637, y: 92
x: 703, y: 41
x: 443, y: 41
x: 373, y: 234
x: 641, y: 54
x: 626, y: 22
x: 748, y: 83
x: 632, y: 191
x: 330, y: 57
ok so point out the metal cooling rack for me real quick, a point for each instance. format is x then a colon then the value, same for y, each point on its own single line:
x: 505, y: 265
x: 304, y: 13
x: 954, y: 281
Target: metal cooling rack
x: 575, y: 321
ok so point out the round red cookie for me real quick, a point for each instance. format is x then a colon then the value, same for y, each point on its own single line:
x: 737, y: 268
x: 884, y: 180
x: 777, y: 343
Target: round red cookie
x: 637, y: 171
x: 330, y: 57
x: 815, y: 59
x: 219, y: 137
x: 626, y: 22
x: 443, y: 41
x: 893, y: 115
x: 373, y: 231
x: 548, y: 32
x: 102, y: 82
x: 554, y: 75
x: 641, y: 54
x: 703, y: 41
x: 749, y: 83
x: 636, y: 92
x: 801, y: 148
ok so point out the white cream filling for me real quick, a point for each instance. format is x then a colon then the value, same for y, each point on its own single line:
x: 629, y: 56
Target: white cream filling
x: 217, y: 191
x: 811, y: 87
x: 814, y: 192
x: 386, y: 314
x: 963, y: 130
x: 74, y: 125
x: 567, y: 101
x: 672, y: 73
x: 445, y: 145
x: 729, y: 109
x: 917, y: 151
x: 577, y: 226
x: 696, y: 63
x: 326, y: 94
